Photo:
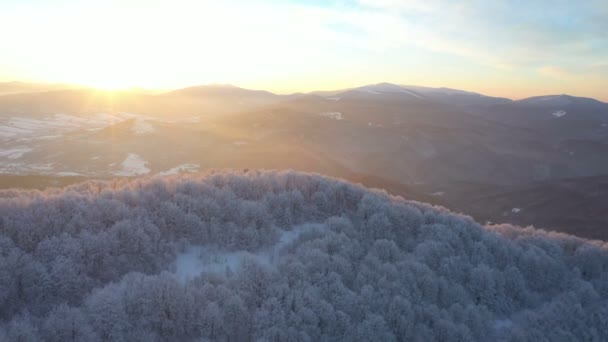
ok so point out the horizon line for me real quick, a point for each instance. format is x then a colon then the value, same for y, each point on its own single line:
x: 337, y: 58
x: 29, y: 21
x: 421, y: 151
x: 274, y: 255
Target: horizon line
x: 161, y: 90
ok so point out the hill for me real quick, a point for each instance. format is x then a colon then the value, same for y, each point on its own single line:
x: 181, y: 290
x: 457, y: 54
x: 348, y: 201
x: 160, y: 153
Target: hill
x: 282, y: 256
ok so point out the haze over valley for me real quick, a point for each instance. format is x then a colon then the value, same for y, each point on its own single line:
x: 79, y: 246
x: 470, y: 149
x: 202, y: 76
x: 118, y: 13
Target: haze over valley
x: 444, y: 146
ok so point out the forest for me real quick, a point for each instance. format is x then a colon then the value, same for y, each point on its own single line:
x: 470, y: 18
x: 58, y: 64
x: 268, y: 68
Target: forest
x: 291, y: 256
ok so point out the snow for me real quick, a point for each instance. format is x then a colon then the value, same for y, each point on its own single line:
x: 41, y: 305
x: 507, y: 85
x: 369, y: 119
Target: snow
x: 549, y: 101
x: 15, y: 152
x: 49, y: 126
x: 67, y: 174
x: 515, y: 210
x: 133, y: 165
x: 438, y: 193
x: 559, y: 113
x: 47, y: 137
x: 196, y: 260
x: 544, y: 98
x: 500, y: 324
x: 20, y: 168
x: 442, y: 91
x: 332, y: 115
x: 333, y: 98
x: 180, y: 168
x: 41, y: 167
x: 386, y: 88
x: 142, y: 127
x: 9, y: 131
x: 411, y: 93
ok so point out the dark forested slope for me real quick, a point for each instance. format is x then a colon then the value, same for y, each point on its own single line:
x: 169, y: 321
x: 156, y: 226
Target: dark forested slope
x: 282, y: 256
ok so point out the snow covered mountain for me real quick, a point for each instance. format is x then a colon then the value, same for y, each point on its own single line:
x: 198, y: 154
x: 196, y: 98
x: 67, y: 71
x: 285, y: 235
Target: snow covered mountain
x: 453, y: 97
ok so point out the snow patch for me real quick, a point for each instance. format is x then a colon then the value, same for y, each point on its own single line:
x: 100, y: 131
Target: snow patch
x: 67, y: 174
x: 49, y: 126
x: 15, y: 153
x: 20, y: 168
x: 438, y: 193
x: 179, y: 169
x: 332, y: 115
x: 133, y: 165
x: 543, y: 98
x: 333, y: 98
x: 7, y: 131
x: 515, y: 210
x: 142, y: 127
x: 196, y: 260
x: 559, y: 113
x: 41, y: 167
x: 370, y: 91
x: 411, y: 93
x: 500, y: 324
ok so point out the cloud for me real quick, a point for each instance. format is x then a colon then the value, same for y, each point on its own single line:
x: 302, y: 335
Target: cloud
x: 554, y: 72
x: 496, y: 33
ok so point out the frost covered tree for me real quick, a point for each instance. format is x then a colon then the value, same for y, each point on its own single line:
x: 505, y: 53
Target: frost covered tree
x: 311, y: 259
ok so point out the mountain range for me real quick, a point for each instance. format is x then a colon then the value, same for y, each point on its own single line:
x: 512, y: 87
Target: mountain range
x: 539, y: 161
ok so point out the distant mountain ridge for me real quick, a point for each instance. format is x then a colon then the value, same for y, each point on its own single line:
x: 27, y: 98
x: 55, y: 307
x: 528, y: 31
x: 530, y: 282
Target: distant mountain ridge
x: 439, y: 145
x: 415, y: 91
x: 220, y: 90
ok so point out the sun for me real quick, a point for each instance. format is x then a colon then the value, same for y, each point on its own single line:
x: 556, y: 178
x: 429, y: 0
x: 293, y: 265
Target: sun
x: 106, y: 83
x: 106, y: 71
x: 111, y: 86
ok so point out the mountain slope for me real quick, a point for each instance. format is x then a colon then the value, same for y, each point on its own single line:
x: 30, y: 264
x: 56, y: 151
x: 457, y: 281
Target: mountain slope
x: 282, y: 255
x: 437, y: 139
x: 453, y: 97
x: 556, y: 117
x: 573, y: 206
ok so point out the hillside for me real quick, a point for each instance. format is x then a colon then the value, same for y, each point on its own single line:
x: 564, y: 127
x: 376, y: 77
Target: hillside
x: 446, y: 146
x: 282, y: 256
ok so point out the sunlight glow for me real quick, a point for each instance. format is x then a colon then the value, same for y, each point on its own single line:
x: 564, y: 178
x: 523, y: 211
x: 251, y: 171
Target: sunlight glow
x: 294, y: 45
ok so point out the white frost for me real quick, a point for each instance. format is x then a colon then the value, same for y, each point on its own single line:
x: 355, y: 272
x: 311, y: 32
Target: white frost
x: 500, y: 324
x: 142, y: 127
x: 411, y: 93
x: 15, y: 153
x: 52, y: 126
x: 559, y: 113
x: 204, y: 259
x: 332, y: 115
x: 370, y: 91
x: 180, y: 168
x: 67, y: 174
x: 133, y: 165
x: 515, y: 210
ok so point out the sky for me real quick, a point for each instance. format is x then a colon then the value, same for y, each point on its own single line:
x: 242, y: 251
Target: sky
x: 511, y: 48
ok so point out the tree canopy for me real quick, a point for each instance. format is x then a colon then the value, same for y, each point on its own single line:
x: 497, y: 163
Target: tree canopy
x: 97, y: 262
